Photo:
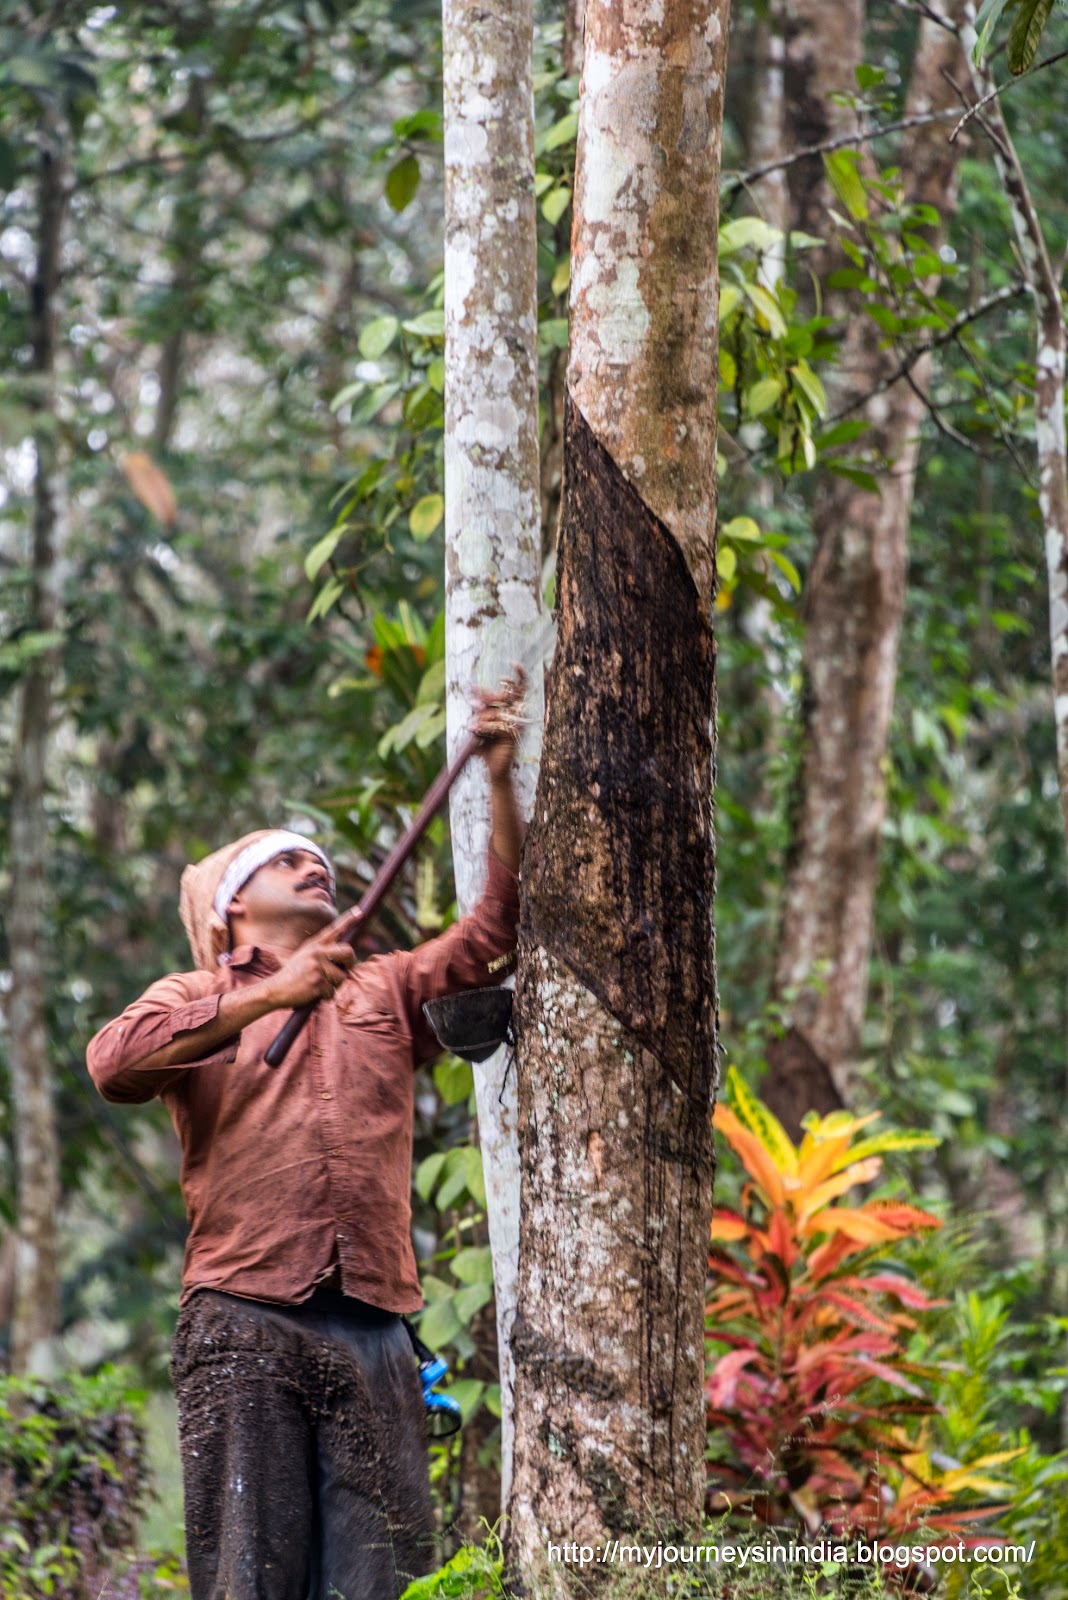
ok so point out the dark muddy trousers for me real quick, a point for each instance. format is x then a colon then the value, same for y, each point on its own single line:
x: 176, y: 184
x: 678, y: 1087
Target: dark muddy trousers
x: 303, y: 1438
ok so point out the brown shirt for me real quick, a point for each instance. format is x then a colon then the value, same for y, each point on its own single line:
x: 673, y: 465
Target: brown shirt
x: 292, y: 1172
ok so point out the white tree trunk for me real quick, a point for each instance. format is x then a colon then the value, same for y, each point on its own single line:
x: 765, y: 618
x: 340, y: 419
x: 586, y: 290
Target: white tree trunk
x: 492, y: 495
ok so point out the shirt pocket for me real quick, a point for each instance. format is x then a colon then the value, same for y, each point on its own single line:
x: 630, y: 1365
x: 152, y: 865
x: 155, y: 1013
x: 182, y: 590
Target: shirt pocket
x: 369, y: 1008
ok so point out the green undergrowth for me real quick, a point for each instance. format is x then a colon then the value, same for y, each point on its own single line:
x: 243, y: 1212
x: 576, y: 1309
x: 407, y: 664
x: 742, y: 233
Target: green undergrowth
x: 477, y: 1572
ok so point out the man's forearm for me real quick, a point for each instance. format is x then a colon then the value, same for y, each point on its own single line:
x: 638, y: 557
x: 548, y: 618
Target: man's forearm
x: 236, y: 1010
x: 506, y: 836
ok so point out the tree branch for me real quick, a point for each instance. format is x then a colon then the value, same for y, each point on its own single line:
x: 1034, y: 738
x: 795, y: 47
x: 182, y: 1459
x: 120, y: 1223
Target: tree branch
x: 840, y: 142
x: 1008, y: 84
x: 946, y: 336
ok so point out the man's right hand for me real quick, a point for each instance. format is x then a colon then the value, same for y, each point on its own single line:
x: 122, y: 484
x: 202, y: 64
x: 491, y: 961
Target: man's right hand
x: 312, y: 972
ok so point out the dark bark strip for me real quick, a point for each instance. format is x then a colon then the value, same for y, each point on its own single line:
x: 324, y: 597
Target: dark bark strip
x: 621, y: 889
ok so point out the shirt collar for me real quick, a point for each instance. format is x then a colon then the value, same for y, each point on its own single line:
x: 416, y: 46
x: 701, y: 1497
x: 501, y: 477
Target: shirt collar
x: 253, y: 957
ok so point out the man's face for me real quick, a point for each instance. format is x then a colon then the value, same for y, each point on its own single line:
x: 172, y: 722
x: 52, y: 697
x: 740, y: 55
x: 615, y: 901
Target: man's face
x: 291, y: 890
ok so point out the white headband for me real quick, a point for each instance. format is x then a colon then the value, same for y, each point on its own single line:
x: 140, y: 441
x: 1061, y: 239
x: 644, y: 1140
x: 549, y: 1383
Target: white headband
x: 257, y: 855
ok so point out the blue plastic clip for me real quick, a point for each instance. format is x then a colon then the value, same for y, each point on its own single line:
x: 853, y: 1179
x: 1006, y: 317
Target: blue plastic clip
x: 443, y: 1413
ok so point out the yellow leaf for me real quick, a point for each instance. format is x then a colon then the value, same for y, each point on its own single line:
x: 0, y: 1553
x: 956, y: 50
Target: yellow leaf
x: 151, y: 486
x: 856, y: 1172
x: 761, y: 1122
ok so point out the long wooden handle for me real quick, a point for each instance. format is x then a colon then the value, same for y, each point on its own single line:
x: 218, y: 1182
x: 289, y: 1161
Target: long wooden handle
x: 376, y: 892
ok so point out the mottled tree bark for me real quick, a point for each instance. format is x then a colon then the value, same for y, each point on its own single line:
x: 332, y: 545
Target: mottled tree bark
x: 492, y: 495
x: 36, y: 1312
x: 616, y: 996
x: 854, y: 600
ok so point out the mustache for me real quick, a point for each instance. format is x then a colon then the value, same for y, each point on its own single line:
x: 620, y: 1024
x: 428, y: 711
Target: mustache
x: 314, y: 880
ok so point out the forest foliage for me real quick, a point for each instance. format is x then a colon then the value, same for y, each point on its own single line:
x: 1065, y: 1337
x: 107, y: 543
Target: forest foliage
x: 251, y: 323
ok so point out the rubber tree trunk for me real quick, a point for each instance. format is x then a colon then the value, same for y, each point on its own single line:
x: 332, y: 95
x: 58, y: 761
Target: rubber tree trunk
x: 492, y: 495
x: 36, y: 1313
x: 616, y: 996
x: 854, y: 601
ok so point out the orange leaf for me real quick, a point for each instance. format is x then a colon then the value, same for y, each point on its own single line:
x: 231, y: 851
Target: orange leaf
x: 756, y: 1160
x: 906, y: 1219
x: 724, y: 1226
x: 863, y: 1226
x: 151, y: 486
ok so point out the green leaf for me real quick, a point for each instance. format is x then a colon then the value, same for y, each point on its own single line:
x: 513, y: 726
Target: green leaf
x: 726, y: 563
x: 552, y: 333
x: 376, y: 338
x: 556, y: 203
x: 425, y: 123
x: 440, y: 1323
x: 810, y: 386
x: 730, y: 298
x: 985, y: 22
x: 845, y: 180
x: 869, y: 77
x: 787, y: 568
x: 432, y: 684
x: 427, y: 1173
x: 402, y: 181
x: 562, y: 132
x: 762, y: 396
x: 470, y: 1301
x: 427, y: 325
x: 562, y: 275
x: 747, y: 233
x: 320, y: 553
x: 857, y: 475
x: 467, y: 1392
x: 435, y: 375
x: 403, y: 732
x: 1026, y: 32
x: 728, y: 369
x: 476, y: 1183
x: 330, y: 592
x: 741, y: 530
x: 543, y: 182
x: 842, y: 433
x: 454, y: 1080
x: 766, y: 307
x: 473, y: 1265
x: 425, y: 516
x: 455, y: 1183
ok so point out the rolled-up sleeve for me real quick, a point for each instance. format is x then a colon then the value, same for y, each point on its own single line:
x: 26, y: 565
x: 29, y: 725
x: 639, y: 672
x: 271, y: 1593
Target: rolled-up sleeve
x: 477, y: 952
x: 173, y: 1006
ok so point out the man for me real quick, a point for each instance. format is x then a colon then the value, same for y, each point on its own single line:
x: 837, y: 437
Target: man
x: 301, y: 1419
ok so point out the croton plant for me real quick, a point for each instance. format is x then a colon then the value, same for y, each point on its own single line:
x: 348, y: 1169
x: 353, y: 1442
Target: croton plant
x: 819, y: 1420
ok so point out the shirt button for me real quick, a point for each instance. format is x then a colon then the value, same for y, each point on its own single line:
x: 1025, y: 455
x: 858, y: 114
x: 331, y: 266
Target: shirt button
x: 326, y: 1095
x: 336, y: 1152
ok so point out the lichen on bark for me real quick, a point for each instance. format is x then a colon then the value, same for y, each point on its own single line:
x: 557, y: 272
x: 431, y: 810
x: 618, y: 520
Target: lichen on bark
x: 492, y: 494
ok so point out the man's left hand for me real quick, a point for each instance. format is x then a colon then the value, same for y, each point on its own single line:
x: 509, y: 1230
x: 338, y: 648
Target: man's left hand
x: 498, y: 724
